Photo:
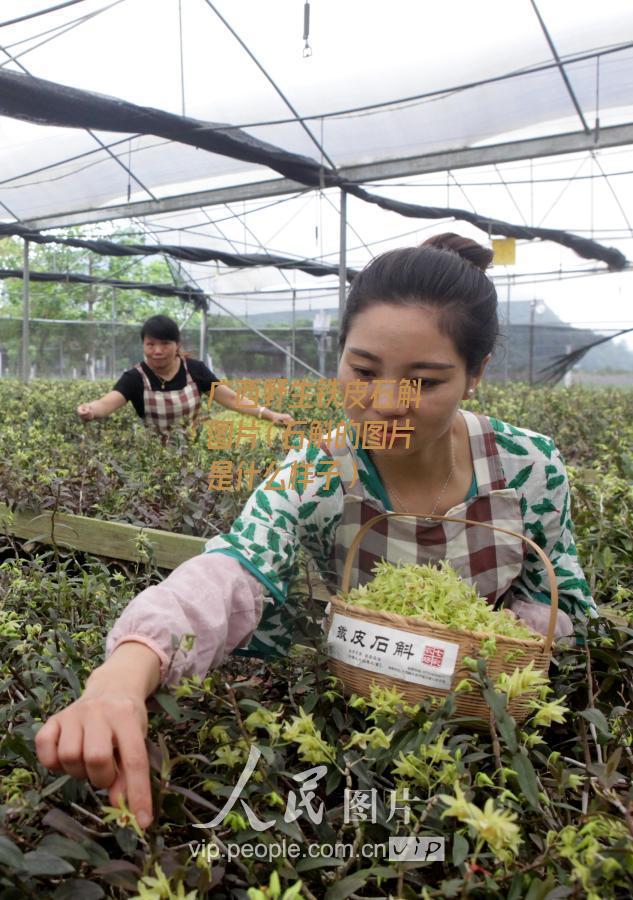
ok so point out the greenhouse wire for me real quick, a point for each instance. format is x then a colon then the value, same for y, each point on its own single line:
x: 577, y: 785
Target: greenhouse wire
x: 71, y: 106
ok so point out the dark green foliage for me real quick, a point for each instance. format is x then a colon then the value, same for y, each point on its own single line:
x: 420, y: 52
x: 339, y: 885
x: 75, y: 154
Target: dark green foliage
x: 568, y: 784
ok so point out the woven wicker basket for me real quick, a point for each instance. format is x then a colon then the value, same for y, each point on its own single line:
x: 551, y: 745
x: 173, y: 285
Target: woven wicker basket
x: 359, y: 680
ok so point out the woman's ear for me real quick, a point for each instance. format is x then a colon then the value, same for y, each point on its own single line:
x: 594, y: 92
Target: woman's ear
x: 473, y: 380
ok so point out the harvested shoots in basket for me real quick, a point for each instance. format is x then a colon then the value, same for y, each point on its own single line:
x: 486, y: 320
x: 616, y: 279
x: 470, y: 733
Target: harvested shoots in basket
x: 435, y: 593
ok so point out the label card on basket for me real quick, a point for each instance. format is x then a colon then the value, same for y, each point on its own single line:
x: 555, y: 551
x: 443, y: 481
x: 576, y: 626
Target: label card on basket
x: 391, y: 651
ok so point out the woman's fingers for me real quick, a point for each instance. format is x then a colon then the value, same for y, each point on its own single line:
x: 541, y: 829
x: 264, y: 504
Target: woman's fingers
x: 116, y: 791
x: 134, y: 766
x: 282, y: 419
x: 46, y: 744
x: 98, y: 752
x: 85, y: 411
x: 70, y: 747
x: 83, y: 740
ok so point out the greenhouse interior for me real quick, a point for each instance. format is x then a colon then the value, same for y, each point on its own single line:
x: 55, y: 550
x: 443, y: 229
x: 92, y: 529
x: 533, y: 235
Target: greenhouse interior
x: 200, y: 202
x: 500, y: 131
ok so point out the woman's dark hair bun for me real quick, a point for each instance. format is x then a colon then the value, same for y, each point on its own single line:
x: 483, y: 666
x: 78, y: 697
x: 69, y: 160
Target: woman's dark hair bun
x: 445, y: 273
x: 470, y: 250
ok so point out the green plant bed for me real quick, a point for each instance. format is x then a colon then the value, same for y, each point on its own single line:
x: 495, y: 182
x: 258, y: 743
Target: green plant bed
x: 520, y: 809
x: 114, y: 468
x: 536, y: 811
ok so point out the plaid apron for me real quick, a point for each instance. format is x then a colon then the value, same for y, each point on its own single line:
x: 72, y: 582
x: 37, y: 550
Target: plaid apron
x: 490, y: 560
x: 164, y: 409
x: 487, y: 558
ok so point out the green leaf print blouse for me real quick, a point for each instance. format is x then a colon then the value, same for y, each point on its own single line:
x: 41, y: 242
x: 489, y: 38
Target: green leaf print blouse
x: 280, y: 516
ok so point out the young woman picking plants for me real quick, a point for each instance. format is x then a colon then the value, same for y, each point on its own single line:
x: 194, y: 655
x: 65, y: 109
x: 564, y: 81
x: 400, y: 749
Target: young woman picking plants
x: 166, y: 388
x: 425, y: 315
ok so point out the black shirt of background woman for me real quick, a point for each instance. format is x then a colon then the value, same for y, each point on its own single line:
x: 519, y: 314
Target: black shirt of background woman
x: 130, y: 384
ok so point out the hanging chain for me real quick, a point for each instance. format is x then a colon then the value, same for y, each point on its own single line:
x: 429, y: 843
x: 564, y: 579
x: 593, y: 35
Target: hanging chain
x: 307, y: 49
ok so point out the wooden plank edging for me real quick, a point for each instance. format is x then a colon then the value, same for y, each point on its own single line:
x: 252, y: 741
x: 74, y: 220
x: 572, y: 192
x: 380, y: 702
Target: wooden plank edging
x: 115, y: 540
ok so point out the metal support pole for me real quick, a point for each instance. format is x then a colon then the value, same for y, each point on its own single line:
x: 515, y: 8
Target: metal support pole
x: 531, y: 342
x: 342, y: 263
x: 321, y: 345
x: 293, y: 342
x: 288, y: 369
x: 509, y: 335
x: 204, y: 321
x: 568, y: 377
x: 113, y: 368
x: 26, y: 361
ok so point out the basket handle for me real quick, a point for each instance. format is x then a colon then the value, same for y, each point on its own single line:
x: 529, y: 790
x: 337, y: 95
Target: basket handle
x: 351, y: 553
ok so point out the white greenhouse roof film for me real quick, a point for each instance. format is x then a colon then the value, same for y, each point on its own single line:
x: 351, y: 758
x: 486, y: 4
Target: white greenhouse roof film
x: 440, y: 98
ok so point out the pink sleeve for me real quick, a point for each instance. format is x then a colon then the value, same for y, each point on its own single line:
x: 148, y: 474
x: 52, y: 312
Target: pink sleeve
x: 537, y: 615
x: 211, y: 597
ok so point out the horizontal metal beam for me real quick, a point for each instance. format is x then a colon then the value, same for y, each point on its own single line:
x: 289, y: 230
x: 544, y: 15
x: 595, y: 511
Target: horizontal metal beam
x: 231, y: 194
x: 491, y: 154
x: 532, y: 148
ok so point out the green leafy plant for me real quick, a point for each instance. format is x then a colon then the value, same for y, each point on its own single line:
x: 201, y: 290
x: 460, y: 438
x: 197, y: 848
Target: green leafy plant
x: 436, y: 593
x: 540, y: 810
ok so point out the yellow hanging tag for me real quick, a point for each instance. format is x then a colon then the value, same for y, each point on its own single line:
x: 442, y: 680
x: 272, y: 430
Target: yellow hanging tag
x: 504, y: 250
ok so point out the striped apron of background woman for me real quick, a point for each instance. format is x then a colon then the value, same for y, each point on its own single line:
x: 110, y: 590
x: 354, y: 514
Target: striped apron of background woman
x: 164, y: 409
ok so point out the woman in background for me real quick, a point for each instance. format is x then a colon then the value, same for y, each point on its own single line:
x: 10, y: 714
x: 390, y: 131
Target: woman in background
x: 166, y: 388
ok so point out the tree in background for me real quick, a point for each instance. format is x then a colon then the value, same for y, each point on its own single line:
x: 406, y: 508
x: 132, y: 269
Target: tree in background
x: 55, y: 347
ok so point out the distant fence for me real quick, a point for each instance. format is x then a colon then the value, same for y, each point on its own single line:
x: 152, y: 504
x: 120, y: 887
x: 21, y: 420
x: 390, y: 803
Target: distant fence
x: 88, y: 349
x: 606, y: 379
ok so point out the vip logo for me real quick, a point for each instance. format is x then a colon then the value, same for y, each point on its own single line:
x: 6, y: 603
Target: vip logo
x: 418, y: 849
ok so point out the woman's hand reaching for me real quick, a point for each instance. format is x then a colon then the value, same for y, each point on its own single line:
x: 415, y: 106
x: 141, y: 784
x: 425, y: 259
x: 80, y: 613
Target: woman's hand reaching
x: 279, y: 418
x: 85, y: 412
x: 101, y: 736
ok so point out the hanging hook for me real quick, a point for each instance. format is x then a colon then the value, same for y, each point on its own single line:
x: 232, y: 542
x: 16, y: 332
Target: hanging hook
x: 307, y: 49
